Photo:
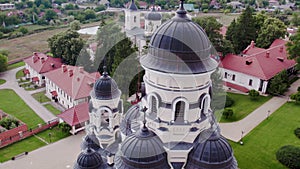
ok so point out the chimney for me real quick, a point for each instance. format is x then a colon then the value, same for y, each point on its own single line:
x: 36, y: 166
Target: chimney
x: 81, y: 70
x: 252, y: 44
x: 70, y: 73
x: 267, y: 54
x: 281, y: 49
x: 35, y: 57
x: 64, y: 68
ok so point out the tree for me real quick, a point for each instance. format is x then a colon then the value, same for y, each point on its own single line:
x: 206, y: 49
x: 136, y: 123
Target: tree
x: 66, y: 45
x: 271, y: 30
x: 243, y: 32
x: 295, y: 97
x: 212, y: 28
x: 3, y: 63
x: 50, y: 14
x: 227, y: 113
x: 279, y: 83
x: 295, y: 21
x: 75, y: 25
x: 89, y: 14
x: 253, y: 94
x: 293, y: 48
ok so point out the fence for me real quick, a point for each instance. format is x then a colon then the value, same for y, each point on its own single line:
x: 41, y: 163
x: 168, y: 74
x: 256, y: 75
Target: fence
x: 24, y: 134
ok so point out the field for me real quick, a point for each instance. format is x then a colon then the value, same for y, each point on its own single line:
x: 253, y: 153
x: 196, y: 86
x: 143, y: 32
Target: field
x: 261, y: 144
x: 2, y: 81
x: 243, y: 106
x: 12, y: 104
x: 40, y: 97
x: 52, y: 109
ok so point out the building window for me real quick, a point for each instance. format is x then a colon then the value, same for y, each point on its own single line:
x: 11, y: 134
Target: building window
x: 134, y: 19
x: 153, y: 105
x: 233, y: 77
x: 226, y: 75
x: 250, y: 82
x: 179, y: 111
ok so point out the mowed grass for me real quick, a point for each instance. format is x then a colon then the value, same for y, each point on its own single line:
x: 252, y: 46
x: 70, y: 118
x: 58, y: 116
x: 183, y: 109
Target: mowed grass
x: 55, y: 134
x: 26, y: 145
x: 15, y: 65
x: 32, y: 143
x: 261, y: 144
x: 2, y: 81
x: 52, y: 109
x: 243, y: 106
x: 41, y: 97
x: 12, y: 104
x: 19, y: 74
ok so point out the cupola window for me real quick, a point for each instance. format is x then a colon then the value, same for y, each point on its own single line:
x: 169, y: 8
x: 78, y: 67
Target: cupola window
x: 179, y: 111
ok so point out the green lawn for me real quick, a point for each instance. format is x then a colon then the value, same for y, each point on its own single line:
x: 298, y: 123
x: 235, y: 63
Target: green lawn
x: 261, y: 144
x: 41, y: 97
x: 12, y: 104
x: 19, y: 74
x: 27, y: 144
x: 2, y: 81
x: 56, y: 134
x: 243, y: 106
x: 31, y: 143
x: 52, y: 109
x: 15, y: 65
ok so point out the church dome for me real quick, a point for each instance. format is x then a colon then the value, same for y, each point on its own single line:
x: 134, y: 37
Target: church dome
x: 213, y: 153
x: 106, y: 88
x: 91, y: 141
x: 179, y: 46
x: 142, y: 150
x: 153, y: 16
x: 89, y: 159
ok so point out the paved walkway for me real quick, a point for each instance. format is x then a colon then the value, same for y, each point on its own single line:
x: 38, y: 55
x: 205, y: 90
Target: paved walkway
x: 11, y: 83
x: 236, y: 130
x: 58, y: 155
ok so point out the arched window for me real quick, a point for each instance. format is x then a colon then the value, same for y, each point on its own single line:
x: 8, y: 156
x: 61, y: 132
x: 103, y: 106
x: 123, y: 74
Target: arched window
x: 204, y: 105
x: 153, y: 103
x: 179, y: 111
x: 134, y: 19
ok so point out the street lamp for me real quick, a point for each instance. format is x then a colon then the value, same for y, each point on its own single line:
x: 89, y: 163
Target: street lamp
x: 241, y: 141
x: 268, y: 114
x: 49, y: 137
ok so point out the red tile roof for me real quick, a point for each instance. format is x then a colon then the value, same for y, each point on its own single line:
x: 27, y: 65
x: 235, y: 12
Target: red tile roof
x: 76, y: 114
x: 35, y: 79
x: 42, y: 63
x: 73, y: 80
x: 26, y: 71
x: 54, y: 93
x: 264, y: 65
x: 237, y: 87
x: 252, y: 49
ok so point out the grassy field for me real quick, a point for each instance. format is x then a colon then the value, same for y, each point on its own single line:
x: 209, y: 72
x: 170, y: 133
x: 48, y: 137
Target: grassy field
x: 31, y: 143
x: 15, y: 65
x: 12, y: 104
x: 261, y: 144
x: 2, y: 81
x: 40, y: 97
x: 243, y: 106
x: 19, y: 74
x: 52, y: 109
x: 25, y: 145
x: 225, y: 19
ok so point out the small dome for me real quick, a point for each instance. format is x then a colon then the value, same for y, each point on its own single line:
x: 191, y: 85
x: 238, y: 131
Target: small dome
x: 106, y: 88
x: 213, y: 153
x: 142, y: 150
x: 179, y: 46
x: 89, y: 159
x: 153, y: 16
x: 131, y: 121
x: 90, y: 141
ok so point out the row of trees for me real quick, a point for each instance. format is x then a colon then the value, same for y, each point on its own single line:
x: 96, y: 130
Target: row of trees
x: 3, y: 61
x: 261, y: 28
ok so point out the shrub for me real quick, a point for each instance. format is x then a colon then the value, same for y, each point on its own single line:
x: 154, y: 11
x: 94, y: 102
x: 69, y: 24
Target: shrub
x: 298, y: 89
x: 229, y: 101
x: 9, y: 123
x: 205, y: 10
x: 253, y: 94
x: 227, y: 113
x: 295, y: 97
x: 289, y: 156
x: 297, y: 132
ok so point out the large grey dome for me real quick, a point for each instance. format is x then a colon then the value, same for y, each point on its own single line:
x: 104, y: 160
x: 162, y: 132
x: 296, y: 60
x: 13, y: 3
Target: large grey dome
x: 153, y: 15
x: 142, y: 150
x: 213, y: 153
x: 89, y: 159
x: 179, y: 46
x: 106, y: 88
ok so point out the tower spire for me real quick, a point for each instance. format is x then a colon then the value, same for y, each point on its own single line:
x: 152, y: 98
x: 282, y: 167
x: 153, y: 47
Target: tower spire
x: 181, y: 11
